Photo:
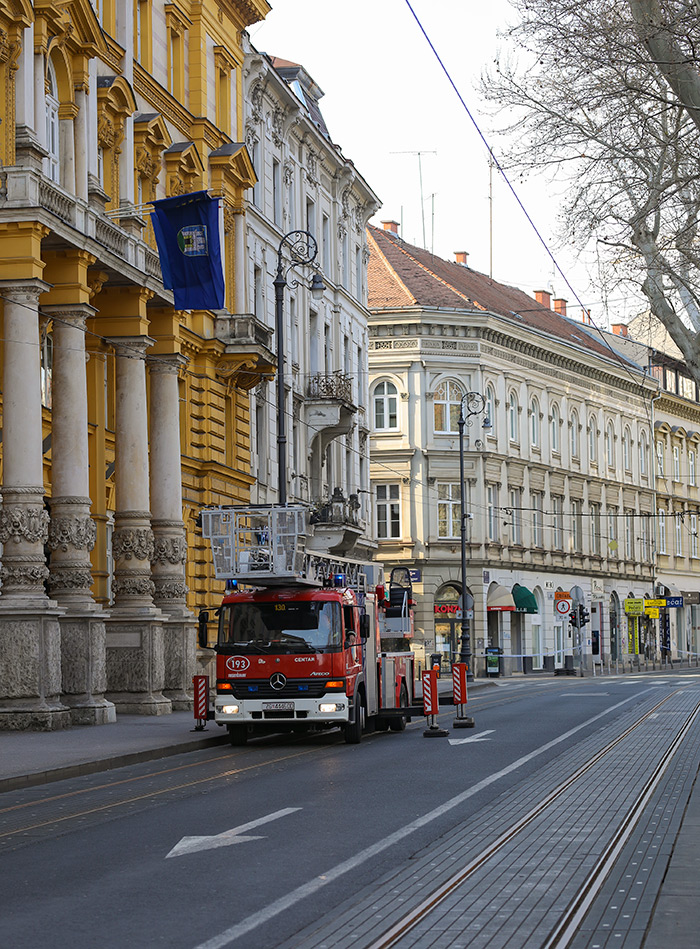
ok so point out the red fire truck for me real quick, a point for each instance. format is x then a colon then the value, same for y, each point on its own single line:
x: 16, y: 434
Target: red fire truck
x: 305, y: 640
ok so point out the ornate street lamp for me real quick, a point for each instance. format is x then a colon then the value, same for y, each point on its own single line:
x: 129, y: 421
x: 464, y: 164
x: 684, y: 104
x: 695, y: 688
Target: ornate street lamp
x: 303, y: 249
x: 471, y: 405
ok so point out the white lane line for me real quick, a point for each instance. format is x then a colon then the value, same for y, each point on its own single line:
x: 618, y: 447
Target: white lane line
x: 317, y: 883
x: 563, y: 695
x: 236, y: 835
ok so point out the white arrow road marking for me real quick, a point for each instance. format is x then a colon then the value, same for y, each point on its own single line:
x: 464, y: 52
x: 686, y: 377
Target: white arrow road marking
x: 233, y: 836
x: 480, y: 737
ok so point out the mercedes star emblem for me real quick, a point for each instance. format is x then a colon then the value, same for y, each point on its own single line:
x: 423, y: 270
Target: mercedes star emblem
x: 278, y: 681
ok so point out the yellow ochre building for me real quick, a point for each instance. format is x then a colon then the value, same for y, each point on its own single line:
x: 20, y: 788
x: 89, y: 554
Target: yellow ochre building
x: 121, y: 416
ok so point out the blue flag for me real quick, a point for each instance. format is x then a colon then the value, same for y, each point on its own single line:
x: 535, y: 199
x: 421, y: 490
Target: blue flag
x: 189, y: 244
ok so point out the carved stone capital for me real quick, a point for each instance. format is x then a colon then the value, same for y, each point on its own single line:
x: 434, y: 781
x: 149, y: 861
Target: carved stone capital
x: 24, y: 522
x: 74, y: 530
x: 133, y: 542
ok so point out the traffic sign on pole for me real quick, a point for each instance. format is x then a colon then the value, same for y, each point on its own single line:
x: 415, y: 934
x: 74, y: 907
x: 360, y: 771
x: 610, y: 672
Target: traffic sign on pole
x: 459, y: 696
x: 562, y: 607
x: 431, y: 705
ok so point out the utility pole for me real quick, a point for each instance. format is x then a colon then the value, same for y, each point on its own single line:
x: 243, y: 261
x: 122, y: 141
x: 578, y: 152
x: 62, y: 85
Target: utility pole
x: 420, y: 178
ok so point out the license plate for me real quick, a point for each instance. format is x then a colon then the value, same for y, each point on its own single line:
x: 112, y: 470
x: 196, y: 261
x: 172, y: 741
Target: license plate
x: 278, y: 706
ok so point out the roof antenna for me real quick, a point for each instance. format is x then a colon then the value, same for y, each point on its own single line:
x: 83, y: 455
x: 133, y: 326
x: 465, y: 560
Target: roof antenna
x: 420, y: 177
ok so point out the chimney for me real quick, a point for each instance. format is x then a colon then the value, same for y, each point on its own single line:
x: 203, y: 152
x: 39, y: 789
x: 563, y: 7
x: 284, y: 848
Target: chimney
x: 461, y: 257
x: 544, y: 297
x: 586, y: 316
x: 560, y: 306
x: 620, y: 329
x: 391, y: 226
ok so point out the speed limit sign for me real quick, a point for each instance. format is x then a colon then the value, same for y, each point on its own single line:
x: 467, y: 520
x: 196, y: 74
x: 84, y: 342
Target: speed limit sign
x: 562, y: 607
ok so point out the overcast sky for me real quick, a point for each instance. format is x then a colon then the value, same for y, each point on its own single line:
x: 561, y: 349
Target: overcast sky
x: 386, y: 96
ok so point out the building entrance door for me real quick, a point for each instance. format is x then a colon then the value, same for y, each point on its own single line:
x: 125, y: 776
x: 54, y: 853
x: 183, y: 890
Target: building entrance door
x: 558, y: 646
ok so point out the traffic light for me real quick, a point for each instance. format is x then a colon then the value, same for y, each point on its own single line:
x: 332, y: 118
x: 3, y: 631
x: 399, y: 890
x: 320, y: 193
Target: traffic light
x: 583, y: 616
x: 573, y: 619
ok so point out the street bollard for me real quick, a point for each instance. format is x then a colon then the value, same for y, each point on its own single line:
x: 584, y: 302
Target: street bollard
x: 201, y: 702
x: 459, y: 696
x: 431, y: 706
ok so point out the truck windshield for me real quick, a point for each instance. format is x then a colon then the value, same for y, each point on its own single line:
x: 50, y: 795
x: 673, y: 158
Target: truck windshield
x: 287, y: 627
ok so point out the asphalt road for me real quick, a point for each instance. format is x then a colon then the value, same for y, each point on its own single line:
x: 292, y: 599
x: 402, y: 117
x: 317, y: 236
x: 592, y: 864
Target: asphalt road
x: 250, y: 846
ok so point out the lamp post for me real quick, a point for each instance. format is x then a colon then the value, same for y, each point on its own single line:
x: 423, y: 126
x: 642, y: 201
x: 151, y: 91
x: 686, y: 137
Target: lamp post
x: 302, y: 249
x: 472, y: 404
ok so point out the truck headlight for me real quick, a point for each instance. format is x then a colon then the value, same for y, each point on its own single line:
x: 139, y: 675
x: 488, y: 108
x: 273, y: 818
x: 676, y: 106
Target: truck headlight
x: 229, y: 710
x: 331, y: 707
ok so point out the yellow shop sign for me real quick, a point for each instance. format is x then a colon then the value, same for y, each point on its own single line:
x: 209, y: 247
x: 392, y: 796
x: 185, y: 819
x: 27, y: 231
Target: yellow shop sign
x: 634, y: 606
x: 656, y: 603
x: 652, y: 611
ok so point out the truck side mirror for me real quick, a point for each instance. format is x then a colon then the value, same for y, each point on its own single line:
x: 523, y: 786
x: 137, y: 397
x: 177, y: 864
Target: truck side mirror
x: 203, y: 620
x: 364, y: 626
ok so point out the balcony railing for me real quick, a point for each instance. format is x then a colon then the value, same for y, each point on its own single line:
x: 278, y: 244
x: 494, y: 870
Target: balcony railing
x: 337, y: 385
x: 338, y: 510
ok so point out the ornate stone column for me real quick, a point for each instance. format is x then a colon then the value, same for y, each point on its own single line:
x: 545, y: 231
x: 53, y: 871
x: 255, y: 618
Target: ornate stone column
x: 71, y: 530
x: 30, y: 671
x: 170, y: 551
x: 135, y: 658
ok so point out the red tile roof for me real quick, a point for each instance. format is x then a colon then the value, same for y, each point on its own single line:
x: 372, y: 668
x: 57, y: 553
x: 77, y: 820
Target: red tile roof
x: 401, y: 275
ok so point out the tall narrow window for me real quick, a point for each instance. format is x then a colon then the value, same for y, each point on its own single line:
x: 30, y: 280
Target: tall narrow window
x: 558, y: 522
x: 576, y: 527
x: 592, y: 440
x: 388, y: 511
x: 52, y: 160
x: 610, y: 445
x: 449, y: 509
x: 311, y: 217
x: 276, y: 192
x: 446, y: 406
x: 643, y: 454
x: 660, y: 459
x: 612, y: 532
x: 574, y: 434
x: 537, y: 508
x: 692, y: 479
x: 46, y: 367
x: 490, y: 413
x: 385, y: 406
x: 595, y: 529
x: 629, y: 536
x: 627, y: 450
x: 492, y: 512
x: 326, y: 240
x: 513, y: 417
x: 678, y: 523
x: 534, y: 423
x: 644, y: 538
x: 676, y: 463
x: 661, y: 521
x: 358, y: 273
x: 693, y: 535
x: 516, y: 537
x: 556, y: 420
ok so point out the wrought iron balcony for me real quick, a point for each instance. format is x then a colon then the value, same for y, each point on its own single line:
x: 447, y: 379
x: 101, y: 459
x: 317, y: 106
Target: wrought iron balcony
x: 336, y: 386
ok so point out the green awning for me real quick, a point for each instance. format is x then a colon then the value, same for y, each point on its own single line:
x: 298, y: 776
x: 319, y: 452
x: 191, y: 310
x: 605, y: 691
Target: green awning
x: 525, y: 600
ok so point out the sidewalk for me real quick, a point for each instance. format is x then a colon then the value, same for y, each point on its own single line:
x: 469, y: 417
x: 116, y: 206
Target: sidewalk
x: 31, y: 758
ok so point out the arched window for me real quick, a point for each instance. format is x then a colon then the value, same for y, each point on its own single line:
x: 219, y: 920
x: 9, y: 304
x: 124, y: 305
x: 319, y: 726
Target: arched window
x: 446, y: 402
x: 534, y: 423
x: 574, y: 434
x: 513, y: 417
x: 643, y: 454
x: 385, y: 407
x: 592, y: 440
x: 610, y: 445
x: 491, y: 408
x: 52, y: 161
x: 627, y: 449
x: 556, y: 419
